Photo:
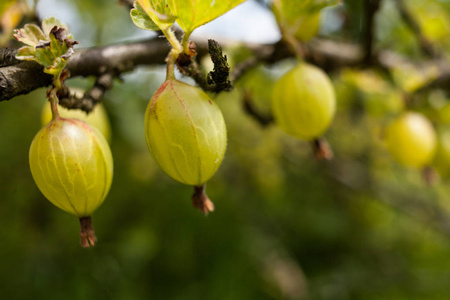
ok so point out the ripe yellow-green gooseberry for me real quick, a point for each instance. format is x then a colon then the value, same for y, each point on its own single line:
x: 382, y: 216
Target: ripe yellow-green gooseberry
x: 304, y: 102
x: 72, y: 166
x: 411, y: 140
x: 185, y: 132
x: 98, y: 117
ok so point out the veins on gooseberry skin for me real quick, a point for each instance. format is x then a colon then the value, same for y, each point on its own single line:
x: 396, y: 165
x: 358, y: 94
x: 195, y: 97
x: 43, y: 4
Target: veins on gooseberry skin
x: 72, y: 166
x: 185, y: 133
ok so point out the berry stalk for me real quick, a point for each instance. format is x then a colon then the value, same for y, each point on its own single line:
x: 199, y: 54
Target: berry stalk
x: 87, y: 233
x: 171, y: 60
x: 201, y: 201
x: 53, y: 98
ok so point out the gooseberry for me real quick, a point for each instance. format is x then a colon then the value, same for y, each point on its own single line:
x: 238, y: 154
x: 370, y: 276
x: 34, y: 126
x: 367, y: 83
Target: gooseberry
x: 72, y: 166
x: 185, y: 132
x: 303, y: 102
x: 411, y: 140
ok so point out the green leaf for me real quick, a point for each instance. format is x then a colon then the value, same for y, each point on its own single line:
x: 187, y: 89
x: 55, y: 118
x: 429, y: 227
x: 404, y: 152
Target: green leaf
x: 194, y: 13
x: 141, y: 19
x: 56, y: 46
x: 49, y: 23
x: 30, y: 35
x: 26, y: 53
x: 50, y: 47
x: 56, y: 68
x: 157, y: 11
x: 300, y: 18
x: 44, y: 56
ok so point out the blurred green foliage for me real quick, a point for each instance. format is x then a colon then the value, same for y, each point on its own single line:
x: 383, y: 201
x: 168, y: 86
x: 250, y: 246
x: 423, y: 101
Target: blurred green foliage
x: 285, y: 227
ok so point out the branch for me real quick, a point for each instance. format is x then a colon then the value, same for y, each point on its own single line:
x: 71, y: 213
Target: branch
x: 188, y: 65
x: 440, y: 82
x: 117, y: 58
x: 87, y: 101
x: 24, y: 77
x: 215, y: 81
x: 371, y: 8
x: 327, y: 54
x: 7, y: 57
x: 19, y: 77
x: 249, y: 107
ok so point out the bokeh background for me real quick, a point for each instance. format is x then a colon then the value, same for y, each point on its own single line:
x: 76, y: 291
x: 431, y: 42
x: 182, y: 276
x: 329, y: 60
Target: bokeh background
x: 286, y: 226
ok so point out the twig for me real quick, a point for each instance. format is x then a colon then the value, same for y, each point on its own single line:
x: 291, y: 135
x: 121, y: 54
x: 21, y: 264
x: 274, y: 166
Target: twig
x: 188, y: 66
x: 371, y: 7
x: 440, y: 82
x: 91, y: 98
x: 327, y: 54
x: 263, y: 119
x: 269, y: 55
x: 215, y: 81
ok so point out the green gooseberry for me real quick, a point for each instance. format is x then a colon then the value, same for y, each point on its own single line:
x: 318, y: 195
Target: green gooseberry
x: 411, y: 140
x: 304, y: 102
x: 72, y: 165
x: 185, y: 132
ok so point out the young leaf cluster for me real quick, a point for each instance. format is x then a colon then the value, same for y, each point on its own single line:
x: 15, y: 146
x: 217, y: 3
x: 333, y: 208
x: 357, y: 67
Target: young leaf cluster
x: 50, y: 46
